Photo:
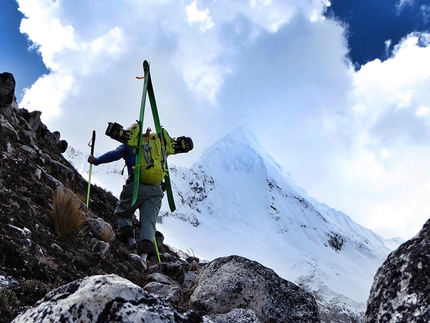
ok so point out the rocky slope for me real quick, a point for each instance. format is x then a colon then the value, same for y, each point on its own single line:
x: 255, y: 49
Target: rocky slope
x: 401, y: 289
x: 44, y: 277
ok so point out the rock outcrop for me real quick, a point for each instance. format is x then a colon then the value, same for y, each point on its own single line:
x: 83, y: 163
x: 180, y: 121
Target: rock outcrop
x: 107, y: 298
x: 401, y: 289
x: 50, y: 278
x: 236, y: 282
x: 226, y: 289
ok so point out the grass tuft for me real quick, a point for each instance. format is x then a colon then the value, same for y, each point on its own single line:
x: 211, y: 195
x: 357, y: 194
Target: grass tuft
x: 66, y: 215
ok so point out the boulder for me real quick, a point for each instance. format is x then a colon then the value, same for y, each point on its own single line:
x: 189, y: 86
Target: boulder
x: 401, y: 288
x: 163, y: 286
x: 7, y: 89
x: 102, y: 298
x: 236, y: 282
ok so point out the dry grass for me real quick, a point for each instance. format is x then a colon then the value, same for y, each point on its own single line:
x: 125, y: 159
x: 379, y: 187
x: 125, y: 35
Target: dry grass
x: 66, y: 214
x: 82, y: 197
x: 107, y: 235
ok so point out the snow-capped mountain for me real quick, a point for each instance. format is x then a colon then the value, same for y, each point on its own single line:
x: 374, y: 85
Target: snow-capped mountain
x: 236, y: 200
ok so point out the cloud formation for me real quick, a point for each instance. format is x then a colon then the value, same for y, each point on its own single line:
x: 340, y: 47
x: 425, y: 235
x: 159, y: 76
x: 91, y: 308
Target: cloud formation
x: 355, y: 140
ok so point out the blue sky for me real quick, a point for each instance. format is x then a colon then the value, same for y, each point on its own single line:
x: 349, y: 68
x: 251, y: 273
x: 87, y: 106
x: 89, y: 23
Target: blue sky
x: 338, y: 97
x: 372, y: 23
x: 16, y: 57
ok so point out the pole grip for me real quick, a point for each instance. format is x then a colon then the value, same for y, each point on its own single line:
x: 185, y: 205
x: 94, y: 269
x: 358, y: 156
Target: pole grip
x: 93, y: 141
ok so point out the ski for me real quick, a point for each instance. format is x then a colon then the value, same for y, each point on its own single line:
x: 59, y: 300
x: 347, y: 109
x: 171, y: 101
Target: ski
x: 136, y: 171
x: 159, y: 131
x: 148, y: 89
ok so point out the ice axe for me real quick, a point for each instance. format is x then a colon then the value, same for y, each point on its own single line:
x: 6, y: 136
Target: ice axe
x: 91, y: 144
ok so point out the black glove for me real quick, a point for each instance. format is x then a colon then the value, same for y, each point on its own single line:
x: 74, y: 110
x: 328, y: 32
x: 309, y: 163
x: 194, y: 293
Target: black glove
x: 183, y: 145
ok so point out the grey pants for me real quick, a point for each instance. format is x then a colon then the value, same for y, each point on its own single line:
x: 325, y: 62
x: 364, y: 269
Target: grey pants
x: 148, y: 202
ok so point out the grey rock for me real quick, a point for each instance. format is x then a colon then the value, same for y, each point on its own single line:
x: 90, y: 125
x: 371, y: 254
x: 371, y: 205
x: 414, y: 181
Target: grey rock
x: 8, y: 128
x: 401, y: 288
x: 8, y: 282
x: 100, y: 228
x: 236, y: 282
x: 174, y: 270
x: 59, y: 170
x: 99, y: 246
x: 165, y: 287
x: 236, y: 316
x: 31, y: 153
x: 62, y: 146
x: 102, y: 298
x: 162, y: 279
x: 171, y: 293
x: 189, y: 279
x: 7, y: 89
x: 34, y: 120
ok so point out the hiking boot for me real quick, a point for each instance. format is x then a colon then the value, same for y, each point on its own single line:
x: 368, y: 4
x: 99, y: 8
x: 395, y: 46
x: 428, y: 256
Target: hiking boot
x: 125, y: 233
x: 159, y: 237
x: 146, y: 246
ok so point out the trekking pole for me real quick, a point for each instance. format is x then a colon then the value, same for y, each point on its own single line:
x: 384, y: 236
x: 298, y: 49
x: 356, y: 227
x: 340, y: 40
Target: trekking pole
x: 156, y: 251
x: 91, y: 144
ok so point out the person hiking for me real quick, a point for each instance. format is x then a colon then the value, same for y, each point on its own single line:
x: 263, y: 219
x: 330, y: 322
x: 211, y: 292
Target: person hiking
x: 149, y: 197
x: 148, y: 202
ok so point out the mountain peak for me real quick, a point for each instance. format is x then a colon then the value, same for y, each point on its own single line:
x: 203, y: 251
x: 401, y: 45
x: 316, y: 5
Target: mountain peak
x: 256, y: 210
x: 240, y: 151
x: 240, y: 135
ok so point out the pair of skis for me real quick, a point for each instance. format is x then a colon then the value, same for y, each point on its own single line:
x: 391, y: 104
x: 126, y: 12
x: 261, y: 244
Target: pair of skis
x: 149, y: 90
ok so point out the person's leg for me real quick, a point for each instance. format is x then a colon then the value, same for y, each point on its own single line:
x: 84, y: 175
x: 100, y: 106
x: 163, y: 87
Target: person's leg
x: 149, y: 210
x: 124, y: 212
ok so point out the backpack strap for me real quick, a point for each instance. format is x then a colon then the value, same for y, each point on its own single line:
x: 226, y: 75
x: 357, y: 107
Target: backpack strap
x: 147, y: 149
x: 163, y: 151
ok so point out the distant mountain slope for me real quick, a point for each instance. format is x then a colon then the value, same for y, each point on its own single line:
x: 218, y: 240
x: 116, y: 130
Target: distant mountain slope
x: 237, y: 200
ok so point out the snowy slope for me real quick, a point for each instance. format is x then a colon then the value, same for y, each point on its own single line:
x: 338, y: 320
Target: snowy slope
x: 236, y: 200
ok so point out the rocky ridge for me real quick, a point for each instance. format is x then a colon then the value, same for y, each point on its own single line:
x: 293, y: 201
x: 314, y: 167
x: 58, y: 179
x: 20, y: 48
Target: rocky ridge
x: 44, y: 276
x: 401, y: 289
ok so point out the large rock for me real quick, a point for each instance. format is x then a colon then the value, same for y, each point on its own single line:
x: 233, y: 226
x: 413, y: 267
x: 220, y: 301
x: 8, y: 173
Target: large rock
x: 7, y: 89
x: 235, y: 282
x: 102, y: 298
x: 401, y: 289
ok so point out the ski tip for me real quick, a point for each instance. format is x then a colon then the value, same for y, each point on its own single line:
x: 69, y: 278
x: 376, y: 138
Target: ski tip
x: 145, y: 66
x: 140, y: 77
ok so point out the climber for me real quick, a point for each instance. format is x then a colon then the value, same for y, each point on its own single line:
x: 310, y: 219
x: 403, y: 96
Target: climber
x: 150, y: 192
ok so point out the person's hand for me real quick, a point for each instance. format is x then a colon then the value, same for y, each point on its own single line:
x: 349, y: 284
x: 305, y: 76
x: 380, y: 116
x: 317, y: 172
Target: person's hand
x: 90, y: 159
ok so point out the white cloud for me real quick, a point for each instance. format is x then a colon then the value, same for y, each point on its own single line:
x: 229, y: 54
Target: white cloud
x: 422, y: 111
x: 354, y: 140
x: 199, y: 16
x: 45, y: 29
x: 403, y: 3
x: 47, y: 95
x: 387, y: 172
x: 425, y: 11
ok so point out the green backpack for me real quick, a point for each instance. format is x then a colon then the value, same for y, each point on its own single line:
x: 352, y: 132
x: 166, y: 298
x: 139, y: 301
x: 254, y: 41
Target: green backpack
x: 153, y: 163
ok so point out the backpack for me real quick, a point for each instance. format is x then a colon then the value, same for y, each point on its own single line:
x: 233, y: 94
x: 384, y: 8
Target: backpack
x: 153, y: 162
